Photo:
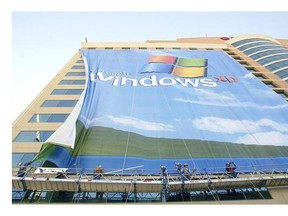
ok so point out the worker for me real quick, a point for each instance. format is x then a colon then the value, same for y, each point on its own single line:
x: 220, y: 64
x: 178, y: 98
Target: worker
x: 186, y: 172
x: 61, y: 175
x: 23, y: 168
x: 98, y: 171
x: 230, y: 168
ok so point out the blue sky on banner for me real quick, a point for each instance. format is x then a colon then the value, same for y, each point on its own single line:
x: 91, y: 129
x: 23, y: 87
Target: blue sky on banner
x: 160, y: 106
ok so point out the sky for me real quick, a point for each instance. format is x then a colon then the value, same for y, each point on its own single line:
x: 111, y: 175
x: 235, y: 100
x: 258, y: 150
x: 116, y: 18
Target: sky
x: 43, y: 42
x: 39, y: 37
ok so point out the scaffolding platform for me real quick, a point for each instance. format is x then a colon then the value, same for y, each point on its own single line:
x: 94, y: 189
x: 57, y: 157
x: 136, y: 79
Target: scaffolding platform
x: 148, y: 183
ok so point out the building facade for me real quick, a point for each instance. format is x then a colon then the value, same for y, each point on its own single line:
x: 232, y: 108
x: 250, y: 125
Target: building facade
x: 265, y: 57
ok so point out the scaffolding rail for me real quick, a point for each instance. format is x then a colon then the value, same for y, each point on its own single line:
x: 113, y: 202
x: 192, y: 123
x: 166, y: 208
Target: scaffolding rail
x: 163, y: 183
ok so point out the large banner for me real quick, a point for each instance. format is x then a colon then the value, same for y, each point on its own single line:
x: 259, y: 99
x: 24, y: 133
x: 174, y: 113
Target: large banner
x: 160, y: 107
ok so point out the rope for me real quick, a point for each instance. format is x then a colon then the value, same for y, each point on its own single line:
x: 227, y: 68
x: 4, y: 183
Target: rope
x: 183, y: 140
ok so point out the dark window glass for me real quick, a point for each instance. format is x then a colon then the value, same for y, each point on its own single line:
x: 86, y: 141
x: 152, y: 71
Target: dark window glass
x: 238, y: 43
x: 59, y: 103
x: 75, y: 74
x: 282, y: 73
x: 72, y: 82
x: 78, y: 67
x: 282, y: 94
x: 49, y: 118
x: 256, y: 44
x: 270, y: 85
x: 272, y: 58
x: 250, y: 51
x: 277, y: 65
x: 269, y: 52
x: 67, y: 91
x: 20, y: 157
x: 33, y: 136
x: 80, y: 61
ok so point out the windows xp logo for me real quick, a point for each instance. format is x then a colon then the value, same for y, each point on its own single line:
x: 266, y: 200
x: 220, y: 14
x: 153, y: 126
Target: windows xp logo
x: 181, y: 67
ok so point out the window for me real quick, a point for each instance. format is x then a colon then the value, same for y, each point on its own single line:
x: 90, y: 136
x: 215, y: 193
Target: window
x: 67, y: 91
x: 72, y: 82
x: 259, y: 76
x: 269, y: 52
x: 272, y: 58
x: 108, y: 48
x: 59, y: 103
x: 75, y: 74
x: 21, y: 157
x: 282, y: 73
x: 270, y: 85
x: 49, y: 118
x: 257, y: 44
x: 80, y: 61
x: 253, y: 50
x: 277, y: 65
x: 238, y: 43
x: 33, y: 136
x: 78, y: 67
x: 282, y: 94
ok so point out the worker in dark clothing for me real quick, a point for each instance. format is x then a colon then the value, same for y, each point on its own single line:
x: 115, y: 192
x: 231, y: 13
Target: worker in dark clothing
x: 23, y: 169
x: 186, y: 172
x: 98, y: 171
x: 61, y: 175
x: 230, y: 168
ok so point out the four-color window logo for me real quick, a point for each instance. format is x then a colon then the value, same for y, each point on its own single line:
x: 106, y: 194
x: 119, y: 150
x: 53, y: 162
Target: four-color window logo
x: 181, y: 67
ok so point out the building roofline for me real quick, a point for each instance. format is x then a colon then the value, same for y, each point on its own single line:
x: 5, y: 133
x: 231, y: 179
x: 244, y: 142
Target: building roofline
x: 91, y: 45
x: 247, y: 36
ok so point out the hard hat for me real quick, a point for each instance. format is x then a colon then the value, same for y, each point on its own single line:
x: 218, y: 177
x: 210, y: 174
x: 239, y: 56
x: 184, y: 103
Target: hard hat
x: 185, y: 164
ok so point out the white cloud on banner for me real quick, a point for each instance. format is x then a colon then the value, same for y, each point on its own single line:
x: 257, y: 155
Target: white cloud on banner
x: 133, y: 122
x: 226, y: 99
x: 230, y: 126
x: 264, y: 138
x: 141, y: 124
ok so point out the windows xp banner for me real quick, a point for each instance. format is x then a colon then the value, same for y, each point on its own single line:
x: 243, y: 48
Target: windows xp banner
x: 153, y: 108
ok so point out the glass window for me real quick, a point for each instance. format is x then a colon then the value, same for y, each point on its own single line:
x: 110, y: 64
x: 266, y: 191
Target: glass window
x: 67, y: 91
x: 20, y: 157
x: 59, y: 103
x: 282, y: 73
x: 282, y: 94
x: 33, y: 136
x: 277, y: 65
x: 270, y: 85
x: 78, y: 67
x: 253, y: 50
x: 49, y: 118
x: 269, y: 52
x: 256, y: 44
x: 272, y: 58
x: 238, y: 43
x: 80, y: 61
x: 72, y: 82
x: 75, y: 74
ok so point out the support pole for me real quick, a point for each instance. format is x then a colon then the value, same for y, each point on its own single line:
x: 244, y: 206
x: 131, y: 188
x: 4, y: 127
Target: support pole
x: 164, y: 178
